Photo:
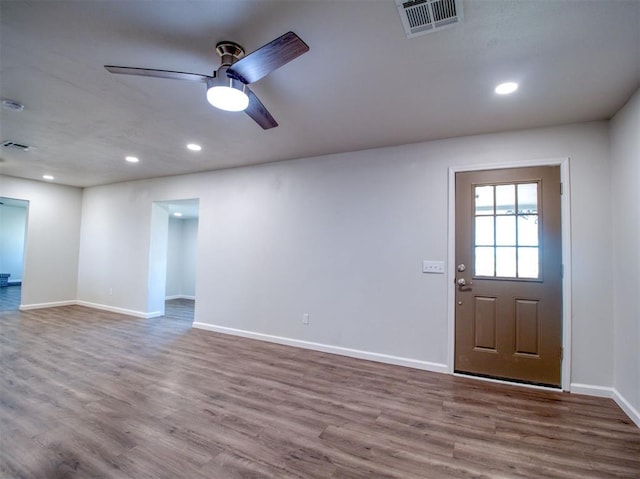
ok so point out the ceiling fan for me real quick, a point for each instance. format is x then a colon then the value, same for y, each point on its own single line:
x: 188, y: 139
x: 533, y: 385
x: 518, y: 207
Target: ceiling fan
x: 227, y: 86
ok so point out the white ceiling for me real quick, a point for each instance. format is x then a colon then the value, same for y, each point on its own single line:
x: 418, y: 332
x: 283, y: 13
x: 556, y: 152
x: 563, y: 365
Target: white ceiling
x: 362, y: 85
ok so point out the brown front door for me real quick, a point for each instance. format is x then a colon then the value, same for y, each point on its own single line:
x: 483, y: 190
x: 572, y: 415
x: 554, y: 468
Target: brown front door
x: 508, y: 321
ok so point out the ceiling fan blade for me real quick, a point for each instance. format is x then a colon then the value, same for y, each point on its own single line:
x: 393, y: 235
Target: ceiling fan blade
x: 258, y: 113
x: 148, y: 72
x: 268, y: 58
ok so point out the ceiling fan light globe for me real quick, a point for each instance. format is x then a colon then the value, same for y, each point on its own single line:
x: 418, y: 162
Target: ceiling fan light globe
x: 227, y: 98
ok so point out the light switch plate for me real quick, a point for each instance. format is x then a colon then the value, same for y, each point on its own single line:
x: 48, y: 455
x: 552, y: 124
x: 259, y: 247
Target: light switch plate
x: 433, y: 267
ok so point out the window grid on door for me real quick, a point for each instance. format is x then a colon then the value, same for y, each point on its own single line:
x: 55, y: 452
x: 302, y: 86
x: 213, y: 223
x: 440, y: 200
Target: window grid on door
x: 505, y: 231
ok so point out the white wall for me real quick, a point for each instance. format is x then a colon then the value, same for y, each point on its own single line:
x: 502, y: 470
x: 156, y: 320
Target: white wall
x: 189, y: 256
x: 181, y: 257
x: 114, y: 247
x: 157, y: 279
x: 342, y: 237
x: 625, y: 155
x: 13, y: 225
x: 53, y: 235
x: 174, y: 258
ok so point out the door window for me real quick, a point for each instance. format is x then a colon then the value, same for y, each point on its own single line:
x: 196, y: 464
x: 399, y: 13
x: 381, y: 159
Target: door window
x: 506, y: 233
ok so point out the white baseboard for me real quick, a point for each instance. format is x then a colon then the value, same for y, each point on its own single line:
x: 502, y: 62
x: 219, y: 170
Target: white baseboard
x: 612, y: 393
x: 114, y: 309
x: 103, y: 307
x: 575, y: 388
x: 326, y: 348
x: 591, y: 390
x: 626, y: 407
x: 54, y: 304
x: 179, y: 296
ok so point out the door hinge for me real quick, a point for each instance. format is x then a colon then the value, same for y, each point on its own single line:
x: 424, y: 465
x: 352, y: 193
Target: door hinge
x: 561, y: 353
x: 561, y: 188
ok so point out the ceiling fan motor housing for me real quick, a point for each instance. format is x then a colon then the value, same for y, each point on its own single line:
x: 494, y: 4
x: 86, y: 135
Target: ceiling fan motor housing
x: 221, y: 79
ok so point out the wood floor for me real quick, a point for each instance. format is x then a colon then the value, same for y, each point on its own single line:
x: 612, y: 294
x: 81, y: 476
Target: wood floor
x: 10, y: 297
x: 90, y: 394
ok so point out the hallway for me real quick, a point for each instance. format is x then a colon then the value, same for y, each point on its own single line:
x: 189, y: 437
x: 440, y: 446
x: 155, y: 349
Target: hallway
x: 180, y: 309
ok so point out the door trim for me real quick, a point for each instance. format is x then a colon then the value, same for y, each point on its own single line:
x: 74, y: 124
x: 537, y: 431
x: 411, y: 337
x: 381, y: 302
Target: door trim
x: 565, y: 209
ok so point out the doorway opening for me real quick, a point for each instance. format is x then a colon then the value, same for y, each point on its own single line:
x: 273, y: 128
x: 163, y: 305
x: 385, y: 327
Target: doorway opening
x: 13, y: 230
x: 172, y: 279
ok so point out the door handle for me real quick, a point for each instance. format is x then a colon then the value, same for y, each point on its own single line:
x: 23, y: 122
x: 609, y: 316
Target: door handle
x: 461, y: 282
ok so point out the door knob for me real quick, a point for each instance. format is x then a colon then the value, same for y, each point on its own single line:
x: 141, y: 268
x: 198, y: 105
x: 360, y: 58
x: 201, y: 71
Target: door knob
x: 461, y: 267
x: 461, y: 282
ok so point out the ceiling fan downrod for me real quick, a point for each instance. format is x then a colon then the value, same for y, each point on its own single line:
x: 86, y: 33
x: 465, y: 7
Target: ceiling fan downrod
x: 230, y: 52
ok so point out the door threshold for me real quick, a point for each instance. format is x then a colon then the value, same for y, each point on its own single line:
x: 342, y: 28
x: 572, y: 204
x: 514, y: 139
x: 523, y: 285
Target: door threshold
x: 512, y: 382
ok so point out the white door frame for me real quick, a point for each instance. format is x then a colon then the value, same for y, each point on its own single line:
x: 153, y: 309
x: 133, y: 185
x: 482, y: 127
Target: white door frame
x: 565, y: 207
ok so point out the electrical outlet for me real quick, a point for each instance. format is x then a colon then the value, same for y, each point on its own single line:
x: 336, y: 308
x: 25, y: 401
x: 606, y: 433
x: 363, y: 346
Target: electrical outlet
x: 305, y: 318
x: 433, y: 267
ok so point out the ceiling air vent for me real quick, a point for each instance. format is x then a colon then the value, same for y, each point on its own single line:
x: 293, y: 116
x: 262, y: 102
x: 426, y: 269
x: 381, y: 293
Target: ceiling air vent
x: 14, y: 145
x: 426, y: 16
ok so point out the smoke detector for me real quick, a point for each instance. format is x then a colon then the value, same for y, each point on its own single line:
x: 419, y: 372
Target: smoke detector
x: 420, y: 17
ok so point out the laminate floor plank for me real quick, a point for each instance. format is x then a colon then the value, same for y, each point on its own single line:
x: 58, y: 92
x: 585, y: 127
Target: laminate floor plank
x: 10, y: 297
x: 93, y: 394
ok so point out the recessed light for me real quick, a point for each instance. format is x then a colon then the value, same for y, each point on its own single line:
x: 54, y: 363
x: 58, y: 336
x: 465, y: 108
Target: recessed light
x: 506, y: 88
x: 48, y: 177
x: 132, y: 159
x: 177, y: 214
x: 194, y: 147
